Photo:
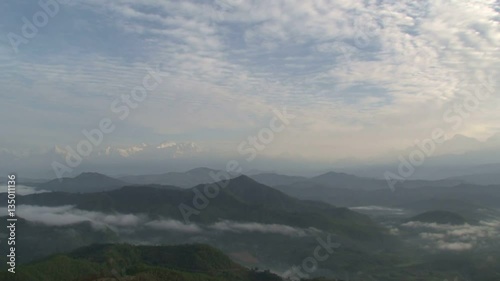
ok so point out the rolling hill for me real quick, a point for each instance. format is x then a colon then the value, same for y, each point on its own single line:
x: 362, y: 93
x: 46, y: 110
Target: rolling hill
x: 84, y: 183
x: 181, y: 179
x: 481, y: 179
x: 273, y: 179
x: 140, y: 263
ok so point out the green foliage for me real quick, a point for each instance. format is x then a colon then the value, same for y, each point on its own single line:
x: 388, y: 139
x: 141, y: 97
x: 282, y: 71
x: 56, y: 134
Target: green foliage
x: 148, y: 263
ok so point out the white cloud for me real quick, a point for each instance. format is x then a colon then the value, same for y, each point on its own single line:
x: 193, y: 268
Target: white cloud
x: 457, y: 246
x: 23, y: 190
x: 380, y: 209
x: 455, y: 237
x: 67, y: 215
x: 259, y: 227
x: 173, y: 225
x: 355, y: 72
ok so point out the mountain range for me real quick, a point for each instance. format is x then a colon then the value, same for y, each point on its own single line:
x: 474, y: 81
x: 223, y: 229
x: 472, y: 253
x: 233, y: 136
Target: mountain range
x: 85, y: 182
x: 457, y: 156
x: 181, y: 179
x: 251, y: 222
x: 243, y: 199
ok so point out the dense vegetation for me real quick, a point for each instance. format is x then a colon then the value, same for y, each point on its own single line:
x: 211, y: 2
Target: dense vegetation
x: 144, y: 263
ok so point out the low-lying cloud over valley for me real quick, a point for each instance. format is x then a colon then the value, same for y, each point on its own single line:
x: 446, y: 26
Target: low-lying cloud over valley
x: 455, y: 237
x: 68, y: 215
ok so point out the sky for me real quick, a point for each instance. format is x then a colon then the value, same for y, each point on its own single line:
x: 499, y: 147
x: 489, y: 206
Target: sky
x: 361, y: 78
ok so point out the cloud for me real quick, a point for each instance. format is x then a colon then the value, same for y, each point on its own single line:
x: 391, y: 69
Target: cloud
x: 261, y: 228
x: 455, y: 237
x: 457, y: 246
x: 432, y: 236
x: 379, y: 209
x: 23, y: 190
x: 173, y: 225
x: 351, y: 70
x: 67, y: 215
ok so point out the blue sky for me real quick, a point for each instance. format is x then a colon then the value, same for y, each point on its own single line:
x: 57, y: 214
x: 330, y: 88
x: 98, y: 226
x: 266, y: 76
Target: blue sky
x: 364, y: 78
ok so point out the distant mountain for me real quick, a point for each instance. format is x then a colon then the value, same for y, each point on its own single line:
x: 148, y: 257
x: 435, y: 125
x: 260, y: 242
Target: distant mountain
x: 426, y: 194
x: 203, y: 176
x: 145, y: 263
x: 342, y: 180
x: 457, y: 156
x: 181, y: 179
x: 35, y: 163
x: 481, y: 179
x: 272, y: 179
x: 347, y: 181
x: 84, y: 183
x: 439, y: 217
x: 460, y: 144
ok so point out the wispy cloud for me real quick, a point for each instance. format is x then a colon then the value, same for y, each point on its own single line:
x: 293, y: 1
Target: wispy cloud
x: 68, y: 215
x: 351, y: 70
x: 174, y: 225
x: 23, y: 190
x: 455, y: 237
x: 261, y: 228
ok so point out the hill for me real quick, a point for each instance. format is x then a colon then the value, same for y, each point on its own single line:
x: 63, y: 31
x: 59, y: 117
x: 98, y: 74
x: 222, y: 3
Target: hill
x: 481, y: 179
x: 272, y: 179
x: 181, y: 179
x: 342, y: 180
x: 485, y: 196
x: 243, y: 200
x: 145, y: 263
x: 83, y: 183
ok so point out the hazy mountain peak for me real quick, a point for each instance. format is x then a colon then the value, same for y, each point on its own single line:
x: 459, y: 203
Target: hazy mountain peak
x: 84, y: 182
x: 244, y: 179
x: 89, y: 175
x: 460, y: 144
x: 274, y: 179
x: 333, y: 174
x: 201, y: 170
x: 494, y: 140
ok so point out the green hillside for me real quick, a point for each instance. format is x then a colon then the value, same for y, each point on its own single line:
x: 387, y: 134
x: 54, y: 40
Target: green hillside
x: 145, y: 263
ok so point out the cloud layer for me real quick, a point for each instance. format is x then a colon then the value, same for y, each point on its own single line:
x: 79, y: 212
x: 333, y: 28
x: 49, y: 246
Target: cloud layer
x: 356, y: 73
x: 67, y: 215
x: 23, y: 190
x: 456, y: 237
